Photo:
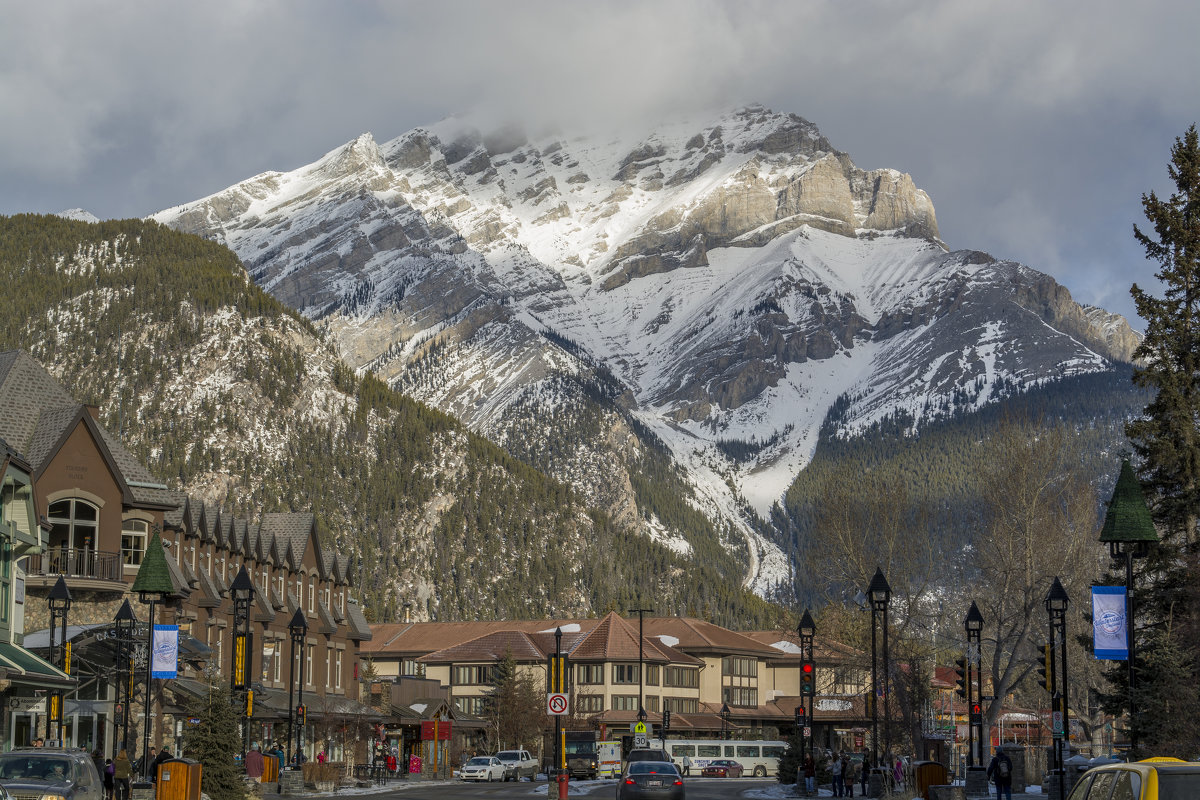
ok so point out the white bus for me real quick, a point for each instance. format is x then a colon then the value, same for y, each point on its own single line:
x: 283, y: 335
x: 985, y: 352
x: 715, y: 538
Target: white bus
x: 759, y: 759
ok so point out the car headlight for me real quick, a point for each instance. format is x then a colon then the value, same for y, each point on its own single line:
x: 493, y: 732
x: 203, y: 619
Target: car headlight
x: 53, y: 797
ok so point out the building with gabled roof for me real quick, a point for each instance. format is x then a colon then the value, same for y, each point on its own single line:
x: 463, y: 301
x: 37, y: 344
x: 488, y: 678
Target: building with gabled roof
x: 101, y: 509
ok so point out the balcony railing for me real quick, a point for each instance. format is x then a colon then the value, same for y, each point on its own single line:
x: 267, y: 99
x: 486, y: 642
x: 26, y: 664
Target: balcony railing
x: 74, y: 562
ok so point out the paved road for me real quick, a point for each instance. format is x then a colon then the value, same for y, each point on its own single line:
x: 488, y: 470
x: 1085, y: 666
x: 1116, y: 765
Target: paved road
x: 697, y: 789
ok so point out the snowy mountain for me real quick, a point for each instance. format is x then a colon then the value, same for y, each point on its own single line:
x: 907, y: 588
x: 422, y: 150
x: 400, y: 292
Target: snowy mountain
x: 727, y: 280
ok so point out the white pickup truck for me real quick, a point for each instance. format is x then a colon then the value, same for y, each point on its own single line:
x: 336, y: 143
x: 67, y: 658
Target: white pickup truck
x: 517, y: 764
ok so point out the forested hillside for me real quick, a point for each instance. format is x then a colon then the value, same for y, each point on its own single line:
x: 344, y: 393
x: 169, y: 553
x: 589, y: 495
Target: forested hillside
x: 227, y: 394
x: 938, y: 472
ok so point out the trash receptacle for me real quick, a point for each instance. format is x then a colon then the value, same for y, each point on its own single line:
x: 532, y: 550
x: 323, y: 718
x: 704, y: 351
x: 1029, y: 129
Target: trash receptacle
x: 178, y: 779
x: 929, y: 773
x: 270, y: 773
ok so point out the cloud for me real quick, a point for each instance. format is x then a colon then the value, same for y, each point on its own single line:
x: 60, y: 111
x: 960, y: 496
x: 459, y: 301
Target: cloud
x: 1034, y: 126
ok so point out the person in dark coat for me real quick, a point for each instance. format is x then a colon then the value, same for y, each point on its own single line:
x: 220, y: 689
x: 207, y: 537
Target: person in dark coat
x: 1000, y: 771
x: 163, y: 755
x: 866, y: 770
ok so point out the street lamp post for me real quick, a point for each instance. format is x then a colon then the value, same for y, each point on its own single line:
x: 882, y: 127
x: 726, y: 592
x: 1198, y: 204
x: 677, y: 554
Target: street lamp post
x: 974, y: 625
x: 880, y: 594
x: 1129, y: 531
x: 126, y: 624
x: 242, y: 590
x: 153, y: 585
x: 298, y: 628
x: 641, y: 662
x: 724, y: 720
x: 807, y: 629
x: 1056, y: 607
x: 60, y: 603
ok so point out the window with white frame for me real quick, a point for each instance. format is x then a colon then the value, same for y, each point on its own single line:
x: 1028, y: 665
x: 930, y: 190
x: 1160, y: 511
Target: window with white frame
x: 311, y: 593
x: 337, y: 672
x: 133, y: 540
x: 328, y: 667
x: 74, y: 524
x: 308, y: 663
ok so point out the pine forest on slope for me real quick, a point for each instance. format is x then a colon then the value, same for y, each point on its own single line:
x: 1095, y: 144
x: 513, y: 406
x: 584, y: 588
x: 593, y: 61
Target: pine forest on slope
x: 232, y: 397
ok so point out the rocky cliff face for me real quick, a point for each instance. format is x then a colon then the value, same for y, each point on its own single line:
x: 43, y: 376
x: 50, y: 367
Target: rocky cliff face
x: 733, y: 277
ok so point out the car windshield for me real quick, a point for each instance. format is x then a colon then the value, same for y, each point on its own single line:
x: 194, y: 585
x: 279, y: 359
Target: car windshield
x: 479, y: 762
x: 651, y: 768
x: 1178, y: 785
x: 509, y: 755
x: 39, y: 766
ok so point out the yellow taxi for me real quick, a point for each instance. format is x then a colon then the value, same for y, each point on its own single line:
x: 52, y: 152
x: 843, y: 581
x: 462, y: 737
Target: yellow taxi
x: 1149, y: 779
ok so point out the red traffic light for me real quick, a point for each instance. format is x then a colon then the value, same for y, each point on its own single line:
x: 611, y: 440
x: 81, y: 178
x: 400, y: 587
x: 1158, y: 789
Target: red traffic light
x: 977, y: 709
x: 808, y: 668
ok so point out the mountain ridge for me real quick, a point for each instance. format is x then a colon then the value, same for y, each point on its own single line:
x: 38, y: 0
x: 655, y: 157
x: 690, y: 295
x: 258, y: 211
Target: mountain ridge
x: 734, y: 277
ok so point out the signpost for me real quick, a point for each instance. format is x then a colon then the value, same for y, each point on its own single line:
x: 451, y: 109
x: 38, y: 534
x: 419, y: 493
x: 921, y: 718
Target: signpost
x: 557, y: 704
x: 641, y: 737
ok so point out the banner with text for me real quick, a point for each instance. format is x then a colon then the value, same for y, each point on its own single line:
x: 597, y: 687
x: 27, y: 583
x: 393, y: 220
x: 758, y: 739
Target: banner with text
x: 1109, y: 623
x: 164, y: 655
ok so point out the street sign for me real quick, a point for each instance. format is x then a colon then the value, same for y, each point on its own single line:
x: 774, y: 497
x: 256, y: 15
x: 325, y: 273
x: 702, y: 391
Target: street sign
x: 1057, y: 723
x: 641, y: 734
x: 556, y: 704
x: 807, y: 732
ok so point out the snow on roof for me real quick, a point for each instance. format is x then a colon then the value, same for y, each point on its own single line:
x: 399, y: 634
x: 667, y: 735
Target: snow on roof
x: 668, y: 640
x: 570, y: 627
x: 787, y: 647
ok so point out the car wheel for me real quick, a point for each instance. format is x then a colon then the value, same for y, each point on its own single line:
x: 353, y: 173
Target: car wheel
x: 760, y: 772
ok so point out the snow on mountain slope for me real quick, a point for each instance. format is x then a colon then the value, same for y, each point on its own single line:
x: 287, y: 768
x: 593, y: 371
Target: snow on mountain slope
x: 736, y: 275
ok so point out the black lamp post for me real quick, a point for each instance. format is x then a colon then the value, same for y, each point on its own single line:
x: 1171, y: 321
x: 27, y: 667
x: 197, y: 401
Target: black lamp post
x: 1129, y: 532
x: 807, y: 629
x: 153, y: 585
x: 724, y: 720
x: 880, y: 594
x: 1056, y: 606
x: 242, y: 590
x: 974, y: 625
x: 60, y: 603
x: 126, y: 623
x: 298, y: 628
x: 641, y: 662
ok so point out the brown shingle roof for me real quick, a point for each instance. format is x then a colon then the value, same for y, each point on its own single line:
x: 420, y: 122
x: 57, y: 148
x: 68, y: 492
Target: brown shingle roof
x: 26, y: 391
x: 490, y: 647
x: 698, y: 636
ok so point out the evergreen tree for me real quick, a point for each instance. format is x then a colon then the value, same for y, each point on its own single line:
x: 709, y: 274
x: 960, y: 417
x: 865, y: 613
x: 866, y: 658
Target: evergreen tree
x: 215, y: 741
x: 1167, y: 442
x: 791, y: 760
x: 1166, y: 438
x: 514, y: 706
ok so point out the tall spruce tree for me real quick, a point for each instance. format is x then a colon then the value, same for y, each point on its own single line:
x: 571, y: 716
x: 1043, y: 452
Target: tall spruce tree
x: 1166, y: 438
x: 1167, y: 441
x: 215, y: 741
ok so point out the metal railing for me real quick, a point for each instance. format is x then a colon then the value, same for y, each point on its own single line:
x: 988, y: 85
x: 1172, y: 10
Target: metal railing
x: 76, y: 562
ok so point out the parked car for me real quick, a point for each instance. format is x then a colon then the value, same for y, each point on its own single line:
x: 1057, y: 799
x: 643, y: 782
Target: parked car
x: 517, y: 764
x: 650, y: 780
x: 722, y: 768
x: 1149, y: 779
x: 482, y: 768
x: 48, y: 772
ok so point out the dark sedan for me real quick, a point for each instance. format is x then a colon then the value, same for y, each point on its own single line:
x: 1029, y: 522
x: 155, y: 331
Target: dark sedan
x: 722, y: 768
x: 650, y: 780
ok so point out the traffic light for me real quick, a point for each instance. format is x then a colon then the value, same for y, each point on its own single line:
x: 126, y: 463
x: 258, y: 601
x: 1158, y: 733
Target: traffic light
x: 961, y: 681
x: 300, y: 715
x: 976, y: 712
x: 801, y: 717
x: 666, y: 722
x: 1044, y: 668
x: 808, y: 676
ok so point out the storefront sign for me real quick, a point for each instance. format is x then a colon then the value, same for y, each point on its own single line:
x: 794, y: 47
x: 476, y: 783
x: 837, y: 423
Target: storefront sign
x: 832, y: 704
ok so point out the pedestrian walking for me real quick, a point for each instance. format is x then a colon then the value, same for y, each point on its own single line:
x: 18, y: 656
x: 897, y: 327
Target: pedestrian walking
x: 122, y: 772
x: 835, y: 769
x: 849, y: 775
x: 898, y: 773
x: 810, y: 775
x: 1000, y: 771
x: 687, y: 765
x: 108, y: 779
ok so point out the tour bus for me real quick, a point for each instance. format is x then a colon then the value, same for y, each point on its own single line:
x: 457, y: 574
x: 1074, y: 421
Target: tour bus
x: 759, y: 759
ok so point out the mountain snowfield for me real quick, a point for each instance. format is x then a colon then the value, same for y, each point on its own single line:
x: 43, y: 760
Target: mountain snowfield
x: 737, y: 276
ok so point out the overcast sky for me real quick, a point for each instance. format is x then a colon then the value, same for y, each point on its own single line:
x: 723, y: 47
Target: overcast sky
x: 1034, y: 126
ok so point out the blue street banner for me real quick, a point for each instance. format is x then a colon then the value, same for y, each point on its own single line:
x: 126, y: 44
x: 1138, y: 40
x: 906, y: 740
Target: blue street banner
x: 1109, y: 623
x: 164, y: 656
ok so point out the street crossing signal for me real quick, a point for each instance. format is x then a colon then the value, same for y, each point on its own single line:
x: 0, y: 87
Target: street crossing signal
x: 961, y: 671
x: 808, y: 679
x: 976, y: 712
x: 801, y: 717
x: 1044, y: 668
x: 300, y: 715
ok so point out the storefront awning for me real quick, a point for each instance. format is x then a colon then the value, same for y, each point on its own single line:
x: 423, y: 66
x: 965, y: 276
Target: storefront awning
x: 23, y: 668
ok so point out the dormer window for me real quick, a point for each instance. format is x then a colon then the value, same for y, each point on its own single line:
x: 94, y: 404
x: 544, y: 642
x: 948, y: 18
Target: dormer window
x: 311, y: 593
